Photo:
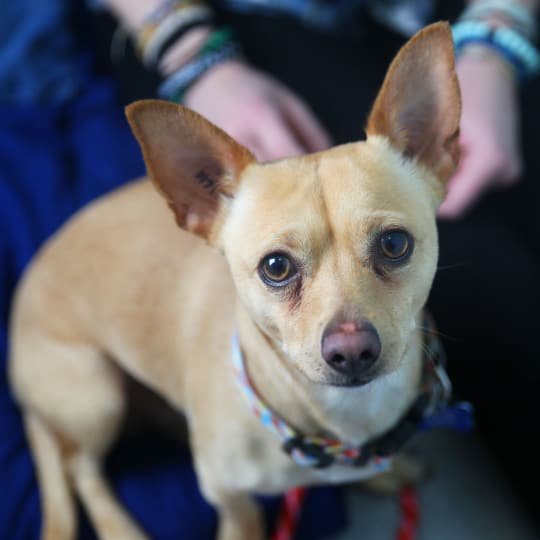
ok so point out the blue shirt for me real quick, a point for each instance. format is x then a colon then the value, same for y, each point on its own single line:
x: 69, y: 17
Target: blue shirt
x: 42, y: 41
x: 40, y: 58
x: 341, y: 16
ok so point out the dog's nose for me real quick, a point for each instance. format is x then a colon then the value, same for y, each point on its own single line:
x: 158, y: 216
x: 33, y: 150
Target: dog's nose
x: 351, y: 349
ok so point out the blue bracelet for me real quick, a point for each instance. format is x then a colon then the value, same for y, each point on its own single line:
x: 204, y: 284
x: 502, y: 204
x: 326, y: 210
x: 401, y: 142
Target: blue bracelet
x: 521, y: 18
x: 174, y: 87
x: 514, y: 48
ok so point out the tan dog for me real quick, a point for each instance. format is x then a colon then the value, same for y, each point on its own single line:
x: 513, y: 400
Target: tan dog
x: 320, y: 265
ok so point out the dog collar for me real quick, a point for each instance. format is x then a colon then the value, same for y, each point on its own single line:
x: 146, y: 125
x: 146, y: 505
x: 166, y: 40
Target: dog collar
x: 431, y: 409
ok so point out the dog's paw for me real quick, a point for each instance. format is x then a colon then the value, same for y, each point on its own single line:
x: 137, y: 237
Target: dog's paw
x: 405, y: 471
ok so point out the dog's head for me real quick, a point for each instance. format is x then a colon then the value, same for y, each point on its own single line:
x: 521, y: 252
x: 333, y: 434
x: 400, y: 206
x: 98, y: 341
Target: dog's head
x: 333, y: 254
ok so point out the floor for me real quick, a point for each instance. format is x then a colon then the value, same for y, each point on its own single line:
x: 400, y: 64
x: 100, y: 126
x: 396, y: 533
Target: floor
x: 464, y: 498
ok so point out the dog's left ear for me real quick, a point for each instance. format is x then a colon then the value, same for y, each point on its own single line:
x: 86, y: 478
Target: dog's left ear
x: 419, y: 105
x: 195, y: 165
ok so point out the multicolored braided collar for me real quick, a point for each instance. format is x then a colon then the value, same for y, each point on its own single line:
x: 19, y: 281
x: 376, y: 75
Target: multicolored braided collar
x: 431, y: 409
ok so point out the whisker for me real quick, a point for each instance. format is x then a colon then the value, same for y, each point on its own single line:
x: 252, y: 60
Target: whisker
x: 427, y: 350
x: 450, y: 266
x: 429, y: 330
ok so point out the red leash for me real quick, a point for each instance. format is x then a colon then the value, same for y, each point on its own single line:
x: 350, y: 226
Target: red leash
x: 291, y: 507
x: 410, y: 514
x: 289, y: 514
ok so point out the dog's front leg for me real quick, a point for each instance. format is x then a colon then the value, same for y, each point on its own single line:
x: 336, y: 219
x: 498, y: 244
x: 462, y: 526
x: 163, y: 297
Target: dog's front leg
x: 405, y: 471
x: 240, y: 518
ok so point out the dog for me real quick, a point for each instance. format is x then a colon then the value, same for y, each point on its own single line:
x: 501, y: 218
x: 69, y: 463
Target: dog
x: 282, y: 312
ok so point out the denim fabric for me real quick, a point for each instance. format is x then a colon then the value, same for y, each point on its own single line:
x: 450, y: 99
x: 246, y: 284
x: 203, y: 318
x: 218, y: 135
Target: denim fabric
x: 40, y: 61
x: 342, y: 17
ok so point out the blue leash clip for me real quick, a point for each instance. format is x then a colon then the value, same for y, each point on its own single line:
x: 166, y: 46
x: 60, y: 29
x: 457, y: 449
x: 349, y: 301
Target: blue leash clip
x: 458, y: 416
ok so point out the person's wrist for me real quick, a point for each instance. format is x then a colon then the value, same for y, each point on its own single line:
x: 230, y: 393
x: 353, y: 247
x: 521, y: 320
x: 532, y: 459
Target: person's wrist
x: 218, y: 47
x: 504, y: 13
x: 167, y: 25
x: 184, y: 50
x: 232, y: 68
x: 506, y: 42
x: 478, y: 54
x: 499, y: 28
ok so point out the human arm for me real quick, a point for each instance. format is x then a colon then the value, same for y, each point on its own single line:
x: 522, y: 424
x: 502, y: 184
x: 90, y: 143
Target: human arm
x: 491, y: 150
x: 251, y: 106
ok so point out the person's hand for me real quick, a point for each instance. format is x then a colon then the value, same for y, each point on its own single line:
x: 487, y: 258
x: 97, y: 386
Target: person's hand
x: 490, y: 145
x: 257, y: 111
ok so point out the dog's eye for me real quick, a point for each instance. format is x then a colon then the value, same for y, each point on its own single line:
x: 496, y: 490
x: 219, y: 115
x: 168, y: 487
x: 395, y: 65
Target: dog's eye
x: 277, y: 269
x: 395, y: 245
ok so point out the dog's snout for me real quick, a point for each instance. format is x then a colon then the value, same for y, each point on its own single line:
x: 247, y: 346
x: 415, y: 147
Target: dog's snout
x: 351, y: 349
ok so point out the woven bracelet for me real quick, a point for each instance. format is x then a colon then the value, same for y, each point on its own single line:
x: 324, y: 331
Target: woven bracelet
x: 212, y: 53
x: 509, y: 44
x: 172, y: 29
x: 165, y: 27
x: 520, y: 17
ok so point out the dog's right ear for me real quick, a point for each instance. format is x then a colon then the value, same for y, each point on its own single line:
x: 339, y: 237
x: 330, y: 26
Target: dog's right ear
x: 193, y: 163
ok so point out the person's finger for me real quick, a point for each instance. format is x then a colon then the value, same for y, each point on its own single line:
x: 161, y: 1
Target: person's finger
x: 304, y: 123
x: 256, y: 147
x: 274, y: 138
x: 465, y: 188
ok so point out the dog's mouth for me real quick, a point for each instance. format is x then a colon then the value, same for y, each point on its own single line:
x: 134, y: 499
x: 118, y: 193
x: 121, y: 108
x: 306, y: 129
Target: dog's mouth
x: 350, y: 383
x: 346, y: 381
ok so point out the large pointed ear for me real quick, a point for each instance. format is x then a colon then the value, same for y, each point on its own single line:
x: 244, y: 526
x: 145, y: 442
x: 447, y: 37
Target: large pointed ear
x: 419, y: 105
x: 193, y: 163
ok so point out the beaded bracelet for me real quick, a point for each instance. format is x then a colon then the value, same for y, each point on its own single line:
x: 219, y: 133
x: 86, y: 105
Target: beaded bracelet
x: 519, y: 17
x: 220, y: 46
x: 512, y: 46
x: 167, y: 24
